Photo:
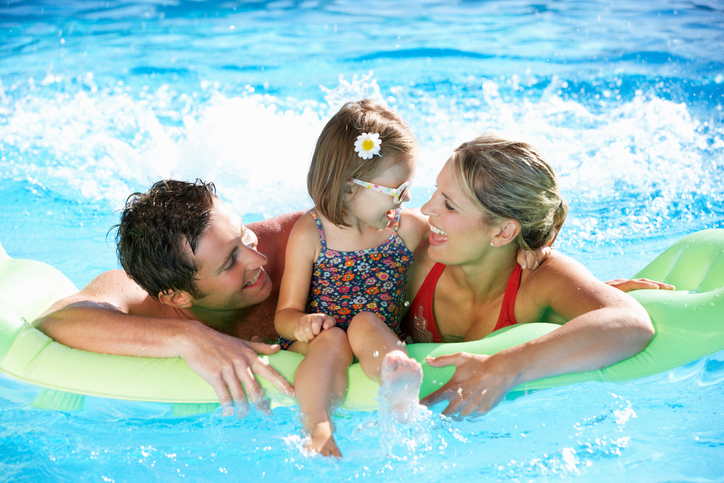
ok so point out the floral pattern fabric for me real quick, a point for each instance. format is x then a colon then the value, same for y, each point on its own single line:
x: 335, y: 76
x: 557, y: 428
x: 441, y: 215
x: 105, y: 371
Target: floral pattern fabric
x: 373, y: 280
x: 347, y: 283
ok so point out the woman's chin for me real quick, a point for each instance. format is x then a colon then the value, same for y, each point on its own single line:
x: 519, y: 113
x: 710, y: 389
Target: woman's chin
x: 438, y: 252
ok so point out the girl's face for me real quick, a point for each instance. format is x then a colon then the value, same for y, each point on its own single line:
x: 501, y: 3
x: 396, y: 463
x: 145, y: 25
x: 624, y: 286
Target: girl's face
x: 458, y: 234
x: 378, y: 209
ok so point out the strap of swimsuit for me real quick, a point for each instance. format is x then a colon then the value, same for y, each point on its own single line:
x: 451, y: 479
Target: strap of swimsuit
x: 322, y: 238
x: 396, y: 226
x: 507, y: 311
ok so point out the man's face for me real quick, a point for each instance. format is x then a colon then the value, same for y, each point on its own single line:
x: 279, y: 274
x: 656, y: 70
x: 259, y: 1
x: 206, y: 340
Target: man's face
x: 230, y: 274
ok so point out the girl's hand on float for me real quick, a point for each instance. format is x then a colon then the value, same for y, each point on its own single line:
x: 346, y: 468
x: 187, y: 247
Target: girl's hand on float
x: 309, y: 326
x: 533, y: 259
x: 229, y: 364
x: 629, y: 285
x: 478, y: 385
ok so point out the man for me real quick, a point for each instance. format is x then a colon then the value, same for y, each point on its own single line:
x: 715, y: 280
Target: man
x: 194, y: 286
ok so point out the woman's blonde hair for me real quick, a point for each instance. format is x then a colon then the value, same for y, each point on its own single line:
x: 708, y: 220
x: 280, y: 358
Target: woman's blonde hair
x: 510, y: 179
x: 335, y: 161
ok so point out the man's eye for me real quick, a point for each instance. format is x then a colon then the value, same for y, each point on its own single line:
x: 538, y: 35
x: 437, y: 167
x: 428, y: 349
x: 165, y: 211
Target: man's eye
x: 232, y: 261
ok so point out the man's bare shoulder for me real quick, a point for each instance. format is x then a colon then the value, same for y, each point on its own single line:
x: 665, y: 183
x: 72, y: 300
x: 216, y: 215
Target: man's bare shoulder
x: 278, y: 225
x: 273, y: 235
x: 115, y: 289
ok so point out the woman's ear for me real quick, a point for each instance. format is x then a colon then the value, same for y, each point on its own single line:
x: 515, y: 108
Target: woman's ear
x: 178, y: 299
x: 506, y: 233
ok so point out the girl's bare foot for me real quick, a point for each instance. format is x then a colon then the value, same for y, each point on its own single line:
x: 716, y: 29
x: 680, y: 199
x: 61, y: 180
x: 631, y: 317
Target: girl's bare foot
x: 401, y: 379
x: 321, y: 440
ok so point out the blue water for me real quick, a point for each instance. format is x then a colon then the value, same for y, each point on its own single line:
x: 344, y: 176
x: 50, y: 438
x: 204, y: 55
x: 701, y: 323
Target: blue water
x: 99, y: 99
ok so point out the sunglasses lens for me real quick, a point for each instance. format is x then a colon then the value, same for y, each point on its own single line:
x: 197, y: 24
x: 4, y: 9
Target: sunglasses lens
x: 402, y: 192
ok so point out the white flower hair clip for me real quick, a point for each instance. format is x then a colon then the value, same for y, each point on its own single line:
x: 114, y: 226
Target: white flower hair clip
x: 367, y: 145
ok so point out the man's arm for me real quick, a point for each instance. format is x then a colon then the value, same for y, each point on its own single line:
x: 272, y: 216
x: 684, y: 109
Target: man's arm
x: 113, y: 315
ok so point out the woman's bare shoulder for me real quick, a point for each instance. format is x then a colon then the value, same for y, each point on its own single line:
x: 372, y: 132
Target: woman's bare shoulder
x: 558, y: 264
x: 567, y: 287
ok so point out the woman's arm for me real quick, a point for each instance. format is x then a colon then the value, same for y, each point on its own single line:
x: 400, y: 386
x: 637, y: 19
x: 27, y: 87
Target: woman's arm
x: 631, y: 284
x: 604, y: 326
x: 291, y: 321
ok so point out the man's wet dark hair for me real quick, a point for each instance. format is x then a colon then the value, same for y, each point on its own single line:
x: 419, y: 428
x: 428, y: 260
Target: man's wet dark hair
x: 156, y: 230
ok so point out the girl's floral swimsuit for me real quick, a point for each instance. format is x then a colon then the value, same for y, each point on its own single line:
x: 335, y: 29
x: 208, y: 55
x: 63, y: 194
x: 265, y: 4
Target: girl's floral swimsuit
x: 372, y: 280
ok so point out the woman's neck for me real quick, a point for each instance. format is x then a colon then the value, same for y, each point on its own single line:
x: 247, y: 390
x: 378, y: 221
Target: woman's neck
x: 486, y: 278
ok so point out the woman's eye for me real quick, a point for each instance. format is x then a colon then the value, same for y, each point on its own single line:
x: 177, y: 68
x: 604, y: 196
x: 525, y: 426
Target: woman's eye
x: 449, y: 208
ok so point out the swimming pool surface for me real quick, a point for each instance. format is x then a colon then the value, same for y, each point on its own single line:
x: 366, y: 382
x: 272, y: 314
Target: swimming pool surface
x: 99, y: 99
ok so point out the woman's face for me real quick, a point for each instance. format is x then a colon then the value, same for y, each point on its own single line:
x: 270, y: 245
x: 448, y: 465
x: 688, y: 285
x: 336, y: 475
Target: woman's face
x: 458, y: 234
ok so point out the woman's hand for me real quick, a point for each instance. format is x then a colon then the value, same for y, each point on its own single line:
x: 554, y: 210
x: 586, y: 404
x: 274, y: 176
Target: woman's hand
x: 309, y: 326
x: 628, y: 285
x: 478, y: 385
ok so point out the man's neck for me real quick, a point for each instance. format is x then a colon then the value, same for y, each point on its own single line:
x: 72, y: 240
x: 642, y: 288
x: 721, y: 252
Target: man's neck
x: 245, y: 323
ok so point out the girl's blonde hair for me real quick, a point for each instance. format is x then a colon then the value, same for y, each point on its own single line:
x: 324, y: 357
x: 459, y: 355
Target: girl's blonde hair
x: 510, y: 179
x: 335, y: 161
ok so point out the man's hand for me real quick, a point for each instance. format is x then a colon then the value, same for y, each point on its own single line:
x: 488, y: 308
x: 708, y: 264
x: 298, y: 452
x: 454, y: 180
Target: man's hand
x: 476, y: 387
x: 309, y: 326
x: 229, y: 364
x: 532, y: 259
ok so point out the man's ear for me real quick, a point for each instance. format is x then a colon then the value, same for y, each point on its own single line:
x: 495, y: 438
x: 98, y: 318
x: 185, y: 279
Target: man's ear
x: 506, y: 233
x: 178, y: 299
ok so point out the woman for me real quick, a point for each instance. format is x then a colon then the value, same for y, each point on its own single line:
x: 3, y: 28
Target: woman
x: 493, y: 197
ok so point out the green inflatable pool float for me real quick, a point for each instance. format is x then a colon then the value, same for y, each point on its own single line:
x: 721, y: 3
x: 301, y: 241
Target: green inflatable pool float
x: 689, y: 325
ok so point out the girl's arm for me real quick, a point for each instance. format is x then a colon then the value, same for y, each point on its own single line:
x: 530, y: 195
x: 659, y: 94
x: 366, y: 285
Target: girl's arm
x: 414, y: 228
x: 604, y: 326
x: 291, y: 321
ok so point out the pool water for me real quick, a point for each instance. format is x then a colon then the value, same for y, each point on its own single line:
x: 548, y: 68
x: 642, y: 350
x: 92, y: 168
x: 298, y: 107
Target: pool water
x: 99, y: 99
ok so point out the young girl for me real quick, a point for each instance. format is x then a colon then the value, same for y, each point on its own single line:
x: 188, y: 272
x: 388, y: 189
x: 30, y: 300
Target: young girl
x: 354, y: 247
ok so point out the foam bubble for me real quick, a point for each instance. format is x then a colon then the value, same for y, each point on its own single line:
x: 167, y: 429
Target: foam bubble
x: 628, y: 167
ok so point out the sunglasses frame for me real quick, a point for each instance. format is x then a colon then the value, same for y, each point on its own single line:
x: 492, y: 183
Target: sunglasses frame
x: 396, y: 193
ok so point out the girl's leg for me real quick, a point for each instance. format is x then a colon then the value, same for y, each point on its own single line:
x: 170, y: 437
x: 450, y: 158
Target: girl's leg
x: 385, y: 359
x: 321, y: 381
